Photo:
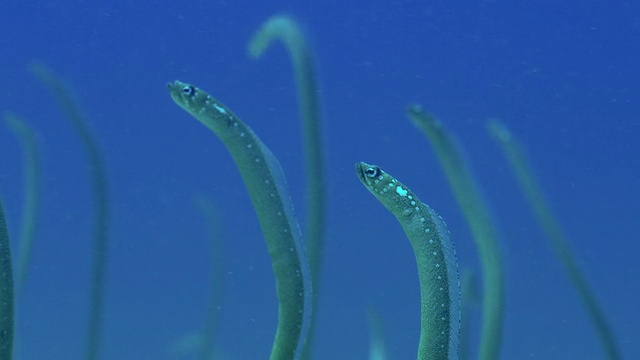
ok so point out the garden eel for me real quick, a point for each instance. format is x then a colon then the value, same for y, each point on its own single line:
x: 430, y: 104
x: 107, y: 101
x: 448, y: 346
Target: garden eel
x: 377, y: 337
x: 214, y: 225
x: 28, y: 140
x: 101, y: 203
x: 6, y: 291
x: 514, y: 152
x: 436, y: 259
x: 478, y: 216
x: 470, y: 299
x: 281, y: 27
x: 266, y: 184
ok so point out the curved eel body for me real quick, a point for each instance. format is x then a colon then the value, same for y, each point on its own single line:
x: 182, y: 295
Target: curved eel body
x: 478, y: 215
x: 6, y: 291
x: 265, y: 182
x: 287, y: 30
x: 436, y: 260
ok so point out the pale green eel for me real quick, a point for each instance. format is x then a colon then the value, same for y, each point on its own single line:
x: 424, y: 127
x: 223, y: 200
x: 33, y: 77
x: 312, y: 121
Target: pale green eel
x: 214, y: 222
x: 6, y: 291
x: 515, y: 154
x: 478, y: 216
x: 266, y: 184
x: 32, y: 166
x: 377, y: 337
x: 284, y: 28
x: 470, y: 300
x: 101, y: 204
x: 436, y: 259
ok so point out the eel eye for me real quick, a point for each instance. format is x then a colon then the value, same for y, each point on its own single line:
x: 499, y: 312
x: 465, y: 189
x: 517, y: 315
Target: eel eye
x: 189, y: 90
x: 372, y: 172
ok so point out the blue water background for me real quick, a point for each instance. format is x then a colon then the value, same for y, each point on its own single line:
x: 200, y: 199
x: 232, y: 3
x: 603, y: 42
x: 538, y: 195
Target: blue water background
x: 562, y: 75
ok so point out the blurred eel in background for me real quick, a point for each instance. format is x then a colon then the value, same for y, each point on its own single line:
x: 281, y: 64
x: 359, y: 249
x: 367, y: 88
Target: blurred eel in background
x: 513, y: 151
x: 478, y: 216
x: 31, y: 209
x: 6, y: 291
x: 377, y: 337
x: 470, y: 300
x: 285, y: 29
x: 214, y: 225
x: 101, y: 203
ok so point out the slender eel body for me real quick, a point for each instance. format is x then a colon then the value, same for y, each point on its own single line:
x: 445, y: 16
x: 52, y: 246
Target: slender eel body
x: 32, y: 176
x: 436, y: 259
x: 101, y: 204
x: 476, y: 211
x: 515, y: 154
x: 286, y: 29
x: 265, y: 182
x: 212, y: 322
x: 6, y: 291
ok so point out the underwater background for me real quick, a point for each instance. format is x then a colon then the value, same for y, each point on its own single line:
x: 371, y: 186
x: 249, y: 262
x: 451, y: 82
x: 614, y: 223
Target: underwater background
x: 563, y: 76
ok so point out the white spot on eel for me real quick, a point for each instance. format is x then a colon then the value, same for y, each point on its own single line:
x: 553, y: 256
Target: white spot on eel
x: 400, y: 191
x: 219, y: 108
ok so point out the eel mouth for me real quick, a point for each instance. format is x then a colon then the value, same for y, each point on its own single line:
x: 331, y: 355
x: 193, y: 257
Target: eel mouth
x: 361, y: 171
x: 173, y: 84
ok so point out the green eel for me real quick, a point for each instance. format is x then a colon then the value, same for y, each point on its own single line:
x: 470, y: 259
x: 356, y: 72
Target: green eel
x: 101, y: 203
x: 284, y: 28
x: 266, y: 184
x: 515, y: 154
x: 6, y: 292
x: 31, y: 210
x: 479, y: 219
x: 436, y: 259
x: 470, y: 300
x: 377, y: 337
x: 214, y: 222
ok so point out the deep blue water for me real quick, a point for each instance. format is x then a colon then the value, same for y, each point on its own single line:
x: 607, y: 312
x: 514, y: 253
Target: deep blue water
x: 562, y: 75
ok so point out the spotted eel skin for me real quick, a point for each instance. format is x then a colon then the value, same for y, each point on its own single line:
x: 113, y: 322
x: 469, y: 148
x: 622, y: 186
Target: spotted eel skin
x: 266, y: 184
x: 436, y: 259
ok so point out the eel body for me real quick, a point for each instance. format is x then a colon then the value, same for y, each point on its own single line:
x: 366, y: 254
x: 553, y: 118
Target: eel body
x: 478, y: 215
x: 7, y: 323
x: 436, y: 260
x: 289, y: 32
x: 515, y: 153
x: 266, y: 184
x: 99, y: 180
